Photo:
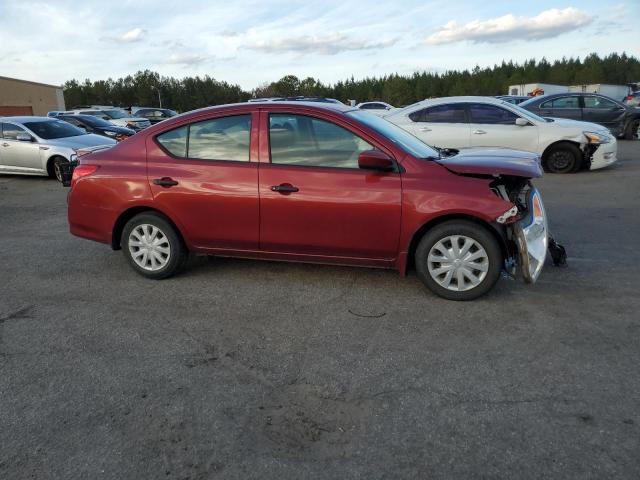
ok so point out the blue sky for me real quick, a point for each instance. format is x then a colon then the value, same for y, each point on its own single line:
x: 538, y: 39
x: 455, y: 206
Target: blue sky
x: 253, y: 42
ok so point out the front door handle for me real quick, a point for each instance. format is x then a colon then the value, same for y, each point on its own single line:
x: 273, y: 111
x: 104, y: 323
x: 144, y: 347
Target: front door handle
x: 479, y: 132
x: 284, y: 188
x: 165, y: 182
x: 5, y: 144
x: 425, y: 129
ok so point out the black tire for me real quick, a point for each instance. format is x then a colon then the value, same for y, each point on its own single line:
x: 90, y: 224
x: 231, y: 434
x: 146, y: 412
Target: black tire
x: 632, y: 130
x: 53, y: 167
x: 468, y: 229
x: 178, y: 253
x: 563, y: 158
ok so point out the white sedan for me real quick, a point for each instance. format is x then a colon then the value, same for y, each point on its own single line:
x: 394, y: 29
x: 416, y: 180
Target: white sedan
x: 458, y: 122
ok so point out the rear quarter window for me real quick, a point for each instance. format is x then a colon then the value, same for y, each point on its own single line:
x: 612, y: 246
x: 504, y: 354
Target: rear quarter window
x: 175, y: 141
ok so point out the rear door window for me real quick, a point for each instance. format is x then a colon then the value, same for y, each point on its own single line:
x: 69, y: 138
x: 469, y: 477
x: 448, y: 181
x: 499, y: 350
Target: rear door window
x: 451, y: 113
x: 562, y: 102
x: 225, y: 138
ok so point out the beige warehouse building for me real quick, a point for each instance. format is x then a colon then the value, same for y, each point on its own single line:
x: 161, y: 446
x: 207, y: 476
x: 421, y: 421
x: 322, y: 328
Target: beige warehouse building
x: 21, y: 97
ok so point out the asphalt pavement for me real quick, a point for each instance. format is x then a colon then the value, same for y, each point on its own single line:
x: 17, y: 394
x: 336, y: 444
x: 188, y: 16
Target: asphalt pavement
x: 265, y: 370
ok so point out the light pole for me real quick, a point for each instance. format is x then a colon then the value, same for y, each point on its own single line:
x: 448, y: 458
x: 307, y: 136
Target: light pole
x: 157, y: 90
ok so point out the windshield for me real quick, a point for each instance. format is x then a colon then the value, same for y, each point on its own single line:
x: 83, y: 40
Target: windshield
x: 53, y: 129
x: 526, y: 113
x: 400, y: 137
x: 116, y: 113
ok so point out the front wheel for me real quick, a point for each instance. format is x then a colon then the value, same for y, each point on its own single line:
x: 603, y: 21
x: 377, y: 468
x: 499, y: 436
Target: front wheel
x: 153, y: 246
x: 563, y: 158
x: 53, y: 168
x: 458, y: 260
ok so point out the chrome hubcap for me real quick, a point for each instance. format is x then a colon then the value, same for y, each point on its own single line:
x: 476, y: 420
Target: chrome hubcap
x: 149, y: 247
x: 458, y: 263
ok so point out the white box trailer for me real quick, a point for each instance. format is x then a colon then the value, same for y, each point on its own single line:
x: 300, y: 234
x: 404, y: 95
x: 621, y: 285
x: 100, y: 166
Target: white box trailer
x: 528, y: 89
x: 617, y: 92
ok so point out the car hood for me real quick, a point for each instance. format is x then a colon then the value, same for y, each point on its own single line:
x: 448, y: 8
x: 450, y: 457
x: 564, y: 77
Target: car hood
x: 89, y: 140
x: 493, y: 161
x: 577, y: 124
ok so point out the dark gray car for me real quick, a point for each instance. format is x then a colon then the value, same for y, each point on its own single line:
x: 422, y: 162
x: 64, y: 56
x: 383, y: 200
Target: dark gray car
x: 622, y: 120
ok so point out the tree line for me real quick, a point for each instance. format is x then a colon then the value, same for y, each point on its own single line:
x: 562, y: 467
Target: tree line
x: 196, y: 92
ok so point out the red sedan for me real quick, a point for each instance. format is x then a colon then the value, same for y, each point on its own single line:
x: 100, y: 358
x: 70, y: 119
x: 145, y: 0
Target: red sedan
x: 312, y: 182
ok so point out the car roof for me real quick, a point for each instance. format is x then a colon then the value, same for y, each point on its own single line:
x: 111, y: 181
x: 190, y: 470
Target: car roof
x: 337, y: 107
x: 27, y: 119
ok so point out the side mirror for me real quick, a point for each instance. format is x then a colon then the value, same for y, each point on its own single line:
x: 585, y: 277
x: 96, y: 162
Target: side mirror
x: 521, y: 122
x: 376, y: 160
x: 24, y: 137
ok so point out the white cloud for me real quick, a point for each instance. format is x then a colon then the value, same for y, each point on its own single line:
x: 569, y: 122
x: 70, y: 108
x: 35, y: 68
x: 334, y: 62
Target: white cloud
x: 135, y: 35
x: 184, y: 59
x: 547, y: 24
x: 328, y: 44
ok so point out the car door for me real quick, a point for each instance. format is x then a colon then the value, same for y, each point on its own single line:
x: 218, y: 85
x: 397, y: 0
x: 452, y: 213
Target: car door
x: 495, y: 126
x: 601, y: 110
x: 562, y: 107
x: 315, y: 201
x: 205, y: 176
x: 19, y: 154
x: 443, y: 126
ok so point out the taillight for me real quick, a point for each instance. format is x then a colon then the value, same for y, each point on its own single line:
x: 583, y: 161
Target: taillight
x: 82, y: 171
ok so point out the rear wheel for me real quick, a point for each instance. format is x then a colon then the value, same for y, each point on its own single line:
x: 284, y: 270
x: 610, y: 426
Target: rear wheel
x: 458, y: 260
x: 153, y: 246
x: 563, y: 158
x: 53, y: 167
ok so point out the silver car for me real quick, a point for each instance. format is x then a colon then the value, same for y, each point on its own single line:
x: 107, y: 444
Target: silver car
x: 37, y: 145
x: 115, y: 115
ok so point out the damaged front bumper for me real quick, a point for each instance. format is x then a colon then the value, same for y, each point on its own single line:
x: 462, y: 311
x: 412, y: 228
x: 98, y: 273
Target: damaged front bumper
x: 531, y: 234
x: 604, y: 154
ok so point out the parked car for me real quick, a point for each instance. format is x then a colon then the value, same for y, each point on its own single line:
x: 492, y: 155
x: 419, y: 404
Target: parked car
x: 154, y: 115
x: 515, y: 99
x: 621, y: 120
x: 377, y: 105
x: 38, y: 145
x: 336, y: 185
x: 632, y: 100
x: 93, y: 124
x: 565, y: 146
x: 377, y: 108
x: 117, y: 116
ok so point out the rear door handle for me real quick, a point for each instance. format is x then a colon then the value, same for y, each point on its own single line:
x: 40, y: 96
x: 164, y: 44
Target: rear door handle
x: 284, y: 188
x: 165, y: 182
x: 425, y: 129
x: 479, y: 132
x: 5, y: 144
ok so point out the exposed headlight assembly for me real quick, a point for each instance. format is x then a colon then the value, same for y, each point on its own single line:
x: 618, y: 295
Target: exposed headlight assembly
x: 597, y: 138
x: 532, y: 236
